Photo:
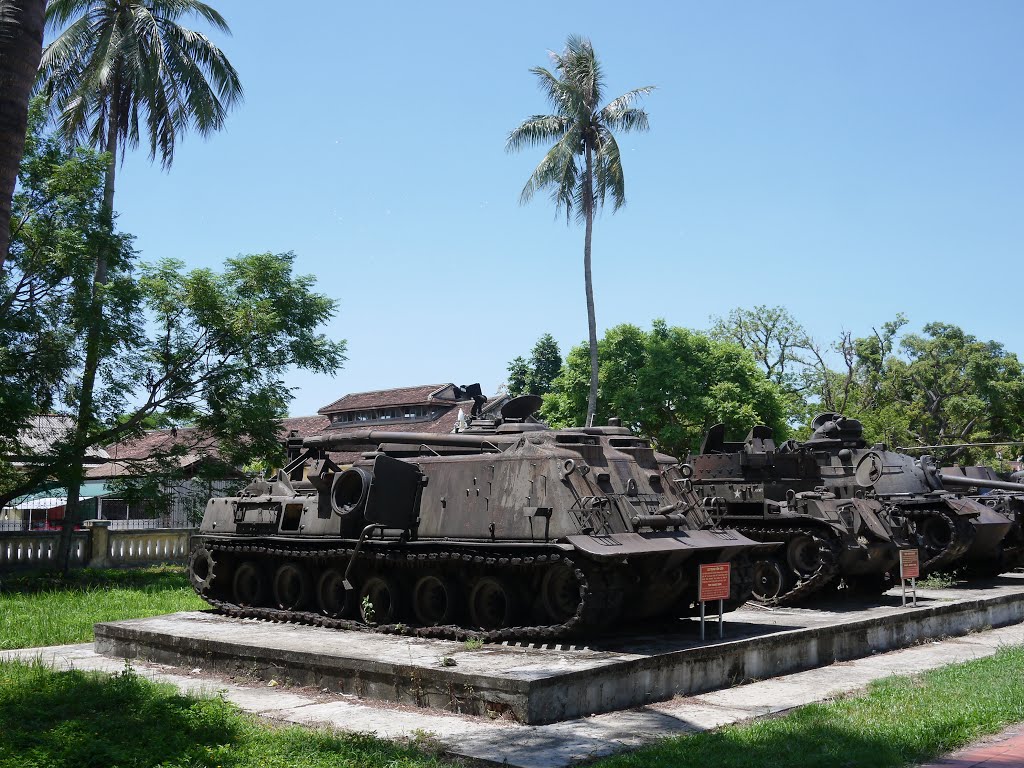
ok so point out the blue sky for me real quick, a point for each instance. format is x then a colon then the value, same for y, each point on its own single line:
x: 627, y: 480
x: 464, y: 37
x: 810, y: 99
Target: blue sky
x: 846, y: 160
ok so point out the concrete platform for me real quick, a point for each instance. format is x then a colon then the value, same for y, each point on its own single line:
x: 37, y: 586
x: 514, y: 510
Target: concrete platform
x: 534, y: 685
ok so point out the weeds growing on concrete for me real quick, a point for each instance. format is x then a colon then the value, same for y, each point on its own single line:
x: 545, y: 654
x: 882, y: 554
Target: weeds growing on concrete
x: 46, y: 608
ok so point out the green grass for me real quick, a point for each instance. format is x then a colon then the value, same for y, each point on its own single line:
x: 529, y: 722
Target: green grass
x: 76, y: 719
x: 53, y: 719
x: 900, y: 721
x: 46, y: 608
x: 88, y: 720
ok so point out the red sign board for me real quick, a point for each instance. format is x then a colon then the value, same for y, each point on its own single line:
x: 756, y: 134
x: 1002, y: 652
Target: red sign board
x: 910, y: 567
x: 714, y: 582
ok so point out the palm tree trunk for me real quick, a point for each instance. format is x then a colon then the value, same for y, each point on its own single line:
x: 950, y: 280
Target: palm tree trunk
x: 94, y: 330
x: 21, y: 44
x: 588, y: 211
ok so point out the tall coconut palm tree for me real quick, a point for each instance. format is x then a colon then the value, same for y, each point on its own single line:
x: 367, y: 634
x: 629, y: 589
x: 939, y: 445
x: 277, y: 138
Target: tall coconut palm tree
x: 582, y: 134
x: 21, y: 41
x: 122, y: 70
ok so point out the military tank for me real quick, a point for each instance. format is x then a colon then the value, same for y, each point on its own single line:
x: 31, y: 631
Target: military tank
x: 773, y: 493
x: 984, y: 485
x: 506, y: 530
x: 949, y: 528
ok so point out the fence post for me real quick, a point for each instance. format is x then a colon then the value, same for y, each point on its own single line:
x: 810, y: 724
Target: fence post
x: 99, y: 543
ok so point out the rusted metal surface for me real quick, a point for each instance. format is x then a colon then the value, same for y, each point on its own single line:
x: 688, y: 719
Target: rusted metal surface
x: 1004, y: 497
x: 507, y: 528
x: 777, y: 493
x: 918, y: 490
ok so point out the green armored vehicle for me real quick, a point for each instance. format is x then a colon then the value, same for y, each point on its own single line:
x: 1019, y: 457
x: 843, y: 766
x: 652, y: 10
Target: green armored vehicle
x: 951, y: 529
x: 506, y: 530
x: 776, y: 493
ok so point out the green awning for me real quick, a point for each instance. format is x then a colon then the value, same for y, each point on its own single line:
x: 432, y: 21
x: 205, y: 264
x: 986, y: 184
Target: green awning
x: 56, y: 497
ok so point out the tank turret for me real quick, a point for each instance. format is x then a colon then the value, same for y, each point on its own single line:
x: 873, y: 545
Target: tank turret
x: 506, y: 529
x: 951, y: 528
x: 776, y: 493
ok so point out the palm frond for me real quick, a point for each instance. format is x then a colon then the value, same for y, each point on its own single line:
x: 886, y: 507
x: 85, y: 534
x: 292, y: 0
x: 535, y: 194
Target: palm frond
x: 175, y: 9
x: 574, y: 91
x: 627, y: 120
x: 608, y: 176
x: 558, y: 172
x: 60, y: 12
x: 566, y: 99
x: 615, y: 107
x: 537, y: 129
x: 579, y: 66
x: 133, y: 57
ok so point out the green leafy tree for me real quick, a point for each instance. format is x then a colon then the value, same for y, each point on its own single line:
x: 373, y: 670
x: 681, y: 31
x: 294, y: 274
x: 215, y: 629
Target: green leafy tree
x: 535, y: 376
x: 781, y: 346
x: 583, y: 167
x: 669, y: 384
x: 21, y: 42
x: 941, y: 387
x: 205, y: 347
x: 44, y: 289
x: 116, y: 64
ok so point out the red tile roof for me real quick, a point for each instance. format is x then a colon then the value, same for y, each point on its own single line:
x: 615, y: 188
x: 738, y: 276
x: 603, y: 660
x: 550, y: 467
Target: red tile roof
x: 385, y: 398
x: 129, y: 457
x: 304, y: 425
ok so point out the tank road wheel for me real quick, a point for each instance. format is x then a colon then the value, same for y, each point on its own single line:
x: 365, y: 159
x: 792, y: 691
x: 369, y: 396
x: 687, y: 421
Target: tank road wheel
x: 380, y: 600
x: 201, y: 570
x: 291, y: 587
x: 936, y: 533
x: 560, y: 594
x: 333, y: 599
x: 248, y: 584
x: 436, y: 601
x: 493, y: 603
x: 803, y: 556
x: 772, y: 579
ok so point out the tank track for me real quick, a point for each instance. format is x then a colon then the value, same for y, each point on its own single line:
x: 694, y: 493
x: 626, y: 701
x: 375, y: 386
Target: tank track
x: 961, y: 534
x: 592, y: 598
x: 828, y: 560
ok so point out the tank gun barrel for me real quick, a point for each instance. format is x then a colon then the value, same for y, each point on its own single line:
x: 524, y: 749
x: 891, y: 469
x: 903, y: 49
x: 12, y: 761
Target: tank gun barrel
x: 977, y: 482
x: 354, y: 438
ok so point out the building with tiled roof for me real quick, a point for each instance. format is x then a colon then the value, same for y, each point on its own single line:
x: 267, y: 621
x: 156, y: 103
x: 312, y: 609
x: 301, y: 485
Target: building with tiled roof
x: 432, y: 408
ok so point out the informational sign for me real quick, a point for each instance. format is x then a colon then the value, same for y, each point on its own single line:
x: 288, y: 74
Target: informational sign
x: 714, y: 582
x: 910, y: 566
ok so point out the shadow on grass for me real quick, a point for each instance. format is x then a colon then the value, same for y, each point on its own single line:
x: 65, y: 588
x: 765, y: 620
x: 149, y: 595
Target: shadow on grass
x: 90, y: 720
x: 82, y: 719
x: 155, y: 578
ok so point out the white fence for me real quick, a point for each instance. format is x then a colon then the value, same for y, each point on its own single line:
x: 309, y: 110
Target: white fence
x: 97, y: 547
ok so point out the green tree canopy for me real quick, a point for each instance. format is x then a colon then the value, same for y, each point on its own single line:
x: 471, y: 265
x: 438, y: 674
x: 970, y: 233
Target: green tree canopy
x: 669, y: 384
x: 56, y: 230
x: 118, y: 65
x: 203, y: 347
x: 942, y: 386
x: 534, y: 376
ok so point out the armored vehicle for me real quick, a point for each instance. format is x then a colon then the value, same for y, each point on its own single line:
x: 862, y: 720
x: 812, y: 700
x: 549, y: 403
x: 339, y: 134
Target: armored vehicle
x: 985, y: 486
x: 504, y: 530
x: 777, y: 494
x: 949, y: 528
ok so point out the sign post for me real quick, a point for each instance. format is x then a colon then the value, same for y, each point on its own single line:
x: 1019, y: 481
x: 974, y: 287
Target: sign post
x: 910, y: 569
x: 714, y: 585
